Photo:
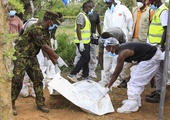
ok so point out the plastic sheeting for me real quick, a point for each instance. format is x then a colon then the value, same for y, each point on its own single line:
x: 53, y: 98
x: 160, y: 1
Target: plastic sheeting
x: 88, y: 95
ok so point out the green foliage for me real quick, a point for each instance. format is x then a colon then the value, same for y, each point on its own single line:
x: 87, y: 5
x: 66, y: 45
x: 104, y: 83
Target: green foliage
x: 66, y: 49
x: 16, y: 5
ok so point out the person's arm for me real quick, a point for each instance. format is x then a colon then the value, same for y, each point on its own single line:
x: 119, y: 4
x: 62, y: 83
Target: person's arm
x: 79, y: 31
x: 129, y: 19
x: 120, y: 62
x: 98, y: 26
x: 105, y: 27
x: 163, y: 40
x: 51, y: 54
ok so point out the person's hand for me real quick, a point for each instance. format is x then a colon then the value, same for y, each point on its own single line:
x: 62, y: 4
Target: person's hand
x: 61, y: 62
x: 81, y: 46
x: 57, y: 69
x: 105, y: 91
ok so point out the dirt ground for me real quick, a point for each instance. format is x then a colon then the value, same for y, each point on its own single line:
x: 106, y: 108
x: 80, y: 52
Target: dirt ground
x: 62, y: 109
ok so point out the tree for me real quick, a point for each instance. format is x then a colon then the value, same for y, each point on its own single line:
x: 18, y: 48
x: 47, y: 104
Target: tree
x: 5, y: 84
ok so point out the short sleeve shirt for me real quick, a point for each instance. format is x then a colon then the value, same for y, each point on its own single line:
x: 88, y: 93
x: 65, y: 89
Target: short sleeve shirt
x: 31, y: 41
x: 81, y: 20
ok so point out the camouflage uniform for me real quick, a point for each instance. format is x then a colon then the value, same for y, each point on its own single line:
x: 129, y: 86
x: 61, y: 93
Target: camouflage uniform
x: 26, y: 50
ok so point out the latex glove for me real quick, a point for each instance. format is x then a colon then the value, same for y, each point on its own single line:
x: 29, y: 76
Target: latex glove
x: 105, y: 91
x: 81, y: 46
x: 57, y: 69
x: 61, y: 62
x: 103, y: 75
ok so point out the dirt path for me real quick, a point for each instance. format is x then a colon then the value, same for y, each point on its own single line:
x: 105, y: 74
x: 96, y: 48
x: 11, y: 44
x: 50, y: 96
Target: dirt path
x: 62, y: 109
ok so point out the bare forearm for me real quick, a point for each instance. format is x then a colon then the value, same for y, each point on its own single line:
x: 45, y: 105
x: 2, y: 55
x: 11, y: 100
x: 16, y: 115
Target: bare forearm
x: 50, y: 52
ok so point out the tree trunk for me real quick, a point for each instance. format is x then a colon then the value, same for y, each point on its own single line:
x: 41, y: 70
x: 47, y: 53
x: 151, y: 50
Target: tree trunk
x: 5, y: 83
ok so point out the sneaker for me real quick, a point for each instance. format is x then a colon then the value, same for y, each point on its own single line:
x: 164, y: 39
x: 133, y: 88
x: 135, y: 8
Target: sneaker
x: 153, y: 93
x: 93, y: 75
x: 128, y: 107
x: 154, y: 99
x: 72, y: 78
x: 43, y: 108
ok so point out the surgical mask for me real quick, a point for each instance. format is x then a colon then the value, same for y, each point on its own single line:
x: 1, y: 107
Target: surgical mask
x: 154, y: 7
x: 12, y: 12
x: 52, y: 27
x: 112, y: 8
x: 91, y: 12
x: 111, y: 54
x: 139, y: 4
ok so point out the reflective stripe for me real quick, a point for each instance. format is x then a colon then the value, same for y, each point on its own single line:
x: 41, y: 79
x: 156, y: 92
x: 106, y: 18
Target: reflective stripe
x: 158, y: 35
x: 155, y: 24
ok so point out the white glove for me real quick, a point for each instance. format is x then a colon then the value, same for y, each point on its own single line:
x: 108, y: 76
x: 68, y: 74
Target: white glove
x: 57, y: 69
x: 81, y: 47
x: 105, y: 91
x: 103, y: 75
x: 61, y: 62
x: 54, y: 44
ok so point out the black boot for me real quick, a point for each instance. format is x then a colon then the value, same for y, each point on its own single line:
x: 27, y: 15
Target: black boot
x: 14, y: 109
x: 152, y: 94
x: 43, y: 108
x: 154, y: 97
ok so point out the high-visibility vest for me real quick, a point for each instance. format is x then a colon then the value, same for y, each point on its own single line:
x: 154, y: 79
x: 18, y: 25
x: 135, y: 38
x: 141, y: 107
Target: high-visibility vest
x: 85, y: 32
x: 156, y: 30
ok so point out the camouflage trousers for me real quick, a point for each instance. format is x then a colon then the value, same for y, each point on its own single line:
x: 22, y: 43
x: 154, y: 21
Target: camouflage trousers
x: 31, y: 66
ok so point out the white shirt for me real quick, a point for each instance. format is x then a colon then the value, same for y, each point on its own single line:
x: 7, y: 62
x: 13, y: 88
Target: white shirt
x: 121, y: 17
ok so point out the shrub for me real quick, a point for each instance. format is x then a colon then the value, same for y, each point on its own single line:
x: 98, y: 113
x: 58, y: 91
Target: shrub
x: 66, y: 48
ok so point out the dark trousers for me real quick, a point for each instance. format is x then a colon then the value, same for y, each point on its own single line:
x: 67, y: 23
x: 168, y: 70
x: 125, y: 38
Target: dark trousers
x: 83, y: 63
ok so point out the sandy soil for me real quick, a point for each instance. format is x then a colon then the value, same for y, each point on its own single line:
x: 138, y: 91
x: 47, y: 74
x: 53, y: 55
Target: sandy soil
x: 62, y: 109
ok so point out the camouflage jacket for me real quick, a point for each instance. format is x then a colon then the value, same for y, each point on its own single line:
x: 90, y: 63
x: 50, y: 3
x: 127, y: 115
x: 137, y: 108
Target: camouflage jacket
x: 31, y: 41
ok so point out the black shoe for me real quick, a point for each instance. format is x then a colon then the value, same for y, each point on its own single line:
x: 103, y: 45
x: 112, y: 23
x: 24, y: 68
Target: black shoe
x: 153, y: 93
x: 123, y: 84
x: 153, y: 99
x: 14, y: 110
x: 43, y: 108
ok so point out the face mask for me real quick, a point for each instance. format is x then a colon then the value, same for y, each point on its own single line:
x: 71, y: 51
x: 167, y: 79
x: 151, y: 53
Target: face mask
x: 139, y: 4
x: 111, y: 54
x: 52, y: 27
x: 91, y: 12
x: 112, y: 8
x: 154, y: 7
x: 12, y: 12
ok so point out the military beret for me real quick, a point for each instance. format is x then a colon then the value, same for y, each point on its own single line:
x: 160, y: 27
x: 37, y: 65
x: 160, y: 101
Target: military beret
x: 50, y: 16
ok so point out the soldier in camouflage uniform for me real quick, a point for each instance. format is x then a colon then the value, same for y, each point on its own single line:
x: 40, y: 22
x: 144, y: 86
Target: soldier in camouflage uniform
x: 34, y: 38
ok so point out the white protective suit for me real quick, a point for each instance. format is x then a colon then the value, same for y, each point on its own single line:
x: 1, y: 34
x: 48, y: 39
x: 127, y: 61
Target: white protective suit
x: 121, y: 17
x: 141, y: 76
